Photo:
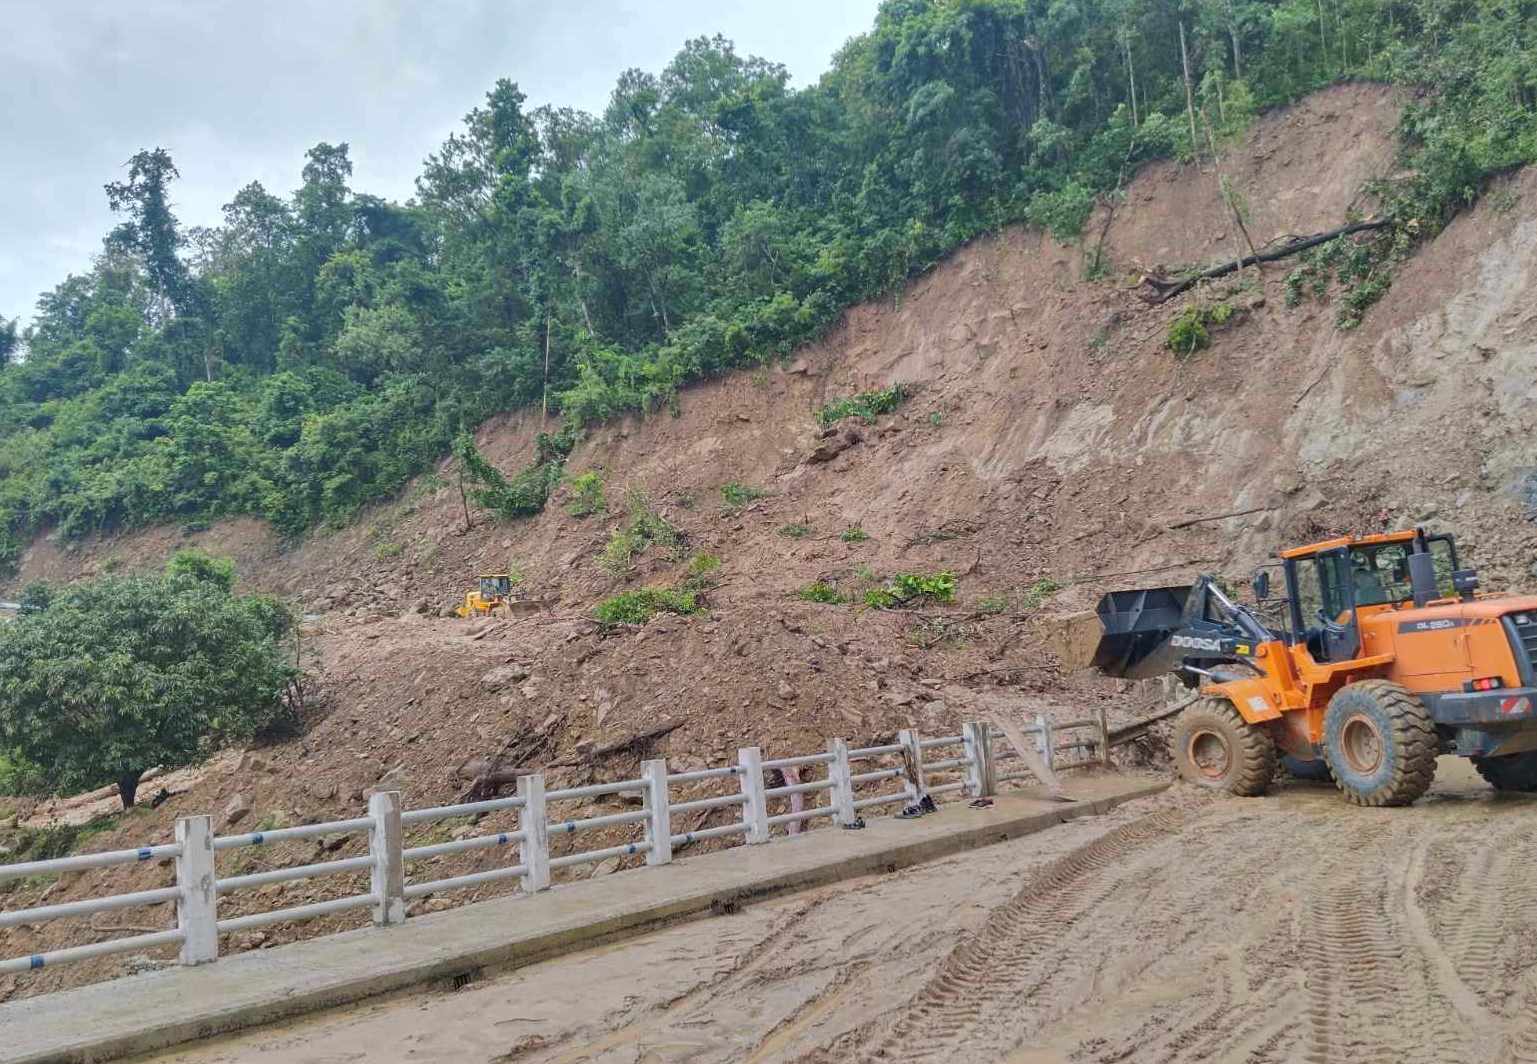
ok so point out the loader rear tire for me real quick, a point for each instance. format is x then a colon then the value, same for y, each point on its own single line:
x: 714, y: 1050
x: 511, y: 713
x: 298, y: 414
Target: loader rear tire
x: 1380, y: 743
x: 1215, y: 747
x: 1513, y: 772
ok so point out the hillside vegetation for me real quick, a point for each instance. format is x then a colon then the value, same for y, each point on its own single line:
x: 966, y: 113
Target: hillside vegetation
x: 316, y: 350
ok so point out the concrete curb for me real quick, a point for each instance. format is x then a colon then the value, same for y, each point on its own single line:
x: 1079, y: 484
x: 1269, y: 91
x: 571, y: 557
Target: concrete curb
x: 143, y: 1013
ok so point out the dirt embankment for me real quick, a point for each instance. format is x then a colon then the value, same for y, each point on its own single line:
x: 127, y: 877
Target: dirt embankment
x: 1049, y: 436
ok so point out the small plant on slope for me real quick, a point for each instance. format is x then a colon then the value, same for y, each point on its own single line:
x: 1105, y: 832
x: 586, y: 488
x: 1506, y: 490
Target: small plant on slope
x: 586, y: 495
x: 822, y: 591
x: 640, y: 605
x: 866, y: 406
x: 737, y: 495
x: 909, y: 588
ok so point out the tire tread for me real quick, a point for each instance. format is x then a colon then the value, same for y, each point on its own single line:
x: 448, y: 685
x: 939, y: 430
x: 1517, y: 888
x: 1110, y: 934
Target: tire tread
x: 1253, y: 748
x: 1413, y: 733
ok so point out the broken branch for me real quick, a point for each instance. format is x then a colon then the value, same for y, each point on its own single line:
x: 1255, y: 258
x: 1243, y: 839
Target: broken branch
x: 1160, y: 290
x: 1219, y: 517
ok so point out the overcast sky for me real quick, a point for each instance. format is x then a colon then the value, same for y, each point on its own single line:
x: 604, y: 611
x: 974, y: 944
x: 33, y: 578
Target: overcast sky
x: 236, y: 90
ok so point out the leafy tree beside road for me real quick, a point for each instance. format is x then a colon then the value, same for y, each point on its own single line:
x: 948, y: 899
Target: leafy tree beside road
x: 114, y: 676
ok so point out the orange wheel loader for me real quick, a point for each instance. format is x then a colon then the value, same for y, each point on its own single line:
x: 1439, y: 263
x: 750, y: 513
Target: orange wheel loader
x: 1384, y: 657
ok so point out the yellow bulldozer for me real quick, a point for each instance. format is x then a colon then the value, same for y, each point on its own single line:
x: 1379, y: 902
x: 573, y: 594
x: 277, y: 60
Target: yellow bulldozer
x: 492, y: 594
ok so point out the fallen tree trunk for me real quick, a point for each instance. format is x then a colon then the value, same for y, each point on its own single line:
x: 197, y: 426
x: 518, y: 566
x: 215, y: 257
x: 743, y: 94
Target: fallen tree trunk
x: 1122, y: 735
x: 1188, y: 522
x: 1160, y: 290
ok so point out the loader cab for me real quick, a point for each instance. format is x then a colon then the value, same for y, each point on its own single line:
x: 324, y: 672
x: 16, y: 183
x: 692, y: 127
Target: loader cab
x: 1331, y: 584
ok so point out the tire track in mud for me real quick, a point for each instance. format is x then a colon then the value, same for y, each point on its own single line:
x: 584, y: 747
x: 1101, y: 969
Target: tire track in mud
x: 1347, y: 953
x: 1233, y: 927
x: 1513, y: 969
x: 1380, y: 987
x: 1003, y: 960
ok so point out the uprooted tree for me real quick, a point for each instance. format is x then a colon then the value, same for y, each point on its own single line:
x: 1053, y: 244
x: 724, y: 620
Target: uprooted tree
x: 112, y: 677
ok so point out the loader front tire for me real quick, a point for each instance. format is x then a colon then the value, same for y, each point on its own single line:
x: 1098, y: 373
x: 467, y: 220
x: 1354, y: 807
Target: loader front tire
x: 1215, y: 747
x: 1380, y: 743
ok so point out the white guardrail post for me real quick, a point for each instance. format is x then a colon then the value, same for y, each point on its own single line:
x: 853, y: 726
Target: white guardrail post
x: 197, y: 916
x: 387, y: 878
x: 534, y: 848
x: 658, y: 814
x: 912, y: 753
x: 1043, y: 740
x: 977, y: 740
x: 841, y: 797
x: 755, y: 809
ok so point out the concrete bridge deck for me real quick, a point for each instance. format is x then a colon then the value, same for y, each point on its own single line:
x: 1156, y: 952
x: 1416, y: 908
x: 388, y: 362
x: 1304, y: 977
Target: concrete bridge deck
x: 160, y: 1009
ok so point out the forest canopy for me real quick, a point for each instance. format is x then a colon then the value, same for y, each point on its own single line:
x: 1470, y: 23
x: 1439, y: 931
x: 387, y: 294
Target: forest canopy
x: 321, y: 346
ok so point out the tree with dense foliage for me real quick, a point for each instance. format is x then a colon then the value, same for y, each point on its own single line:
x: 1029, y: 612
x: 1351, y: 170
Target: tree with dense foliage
x: 104, y: 679
x: 318, y: 349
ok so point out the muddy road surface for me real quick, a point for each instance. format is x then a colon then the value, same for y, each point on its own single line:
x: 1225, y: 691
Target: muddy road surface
x: 1179, y: 928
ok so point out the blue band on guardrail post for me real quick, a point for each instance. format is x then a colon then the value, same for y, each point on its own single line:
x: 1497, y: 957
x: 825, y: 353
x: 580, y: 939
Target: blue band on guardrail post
x: 35, y: 961
x: 501, y: 840
x: 256, y: 839
x: 145, y: 853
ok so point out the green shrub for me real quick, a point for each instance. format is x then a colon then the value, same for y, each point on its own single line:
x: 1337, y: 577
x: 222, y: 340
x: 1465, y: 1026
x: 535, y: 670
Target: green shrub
x: 618, y: 554
x: 909, y: 588
x: 52, y: 843
x: 854, y: 534
x: 795, y: 530
x: 526, y: 493
x: 20, y: 778
x: 386, y: 549
x: 822, y: 591
x: 640, y: 605
x: 737, y: 495
x: 116, y: 675
x: 1063, y: 211
x: 1187, y: 332
x: 993, y: 603
x: 644, y: 529
x: 587, y: 497
x: 701, y: 573
x: 866, y: 406
x: 1038, y: 593
x: 194, y: 565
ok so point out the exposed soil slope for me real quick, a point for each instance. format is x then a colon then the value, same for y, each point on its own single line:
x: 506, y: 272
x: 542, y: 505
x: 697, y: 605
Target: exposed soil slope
x: 1050, y: 436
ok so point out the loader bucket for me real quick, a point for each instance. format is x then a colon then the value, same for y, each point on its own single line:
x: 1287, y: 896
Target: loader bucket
x: 1135, y: 630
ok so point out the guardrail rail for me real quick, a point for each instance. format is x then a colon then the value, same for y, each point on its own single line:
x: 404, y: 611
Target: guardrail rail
x: 761, y: 797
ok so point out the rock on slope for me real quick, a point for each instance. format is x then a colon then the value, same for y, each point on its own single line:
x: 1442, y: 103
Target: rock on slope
x: 1050, y: 435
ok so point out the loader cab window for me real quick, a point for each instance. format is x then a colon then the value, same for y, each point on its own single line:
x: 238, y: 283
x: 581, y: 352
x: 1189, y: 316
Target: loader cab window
x: 1307, y: 593
x: 1380, y: 574
x: 1341, y: 577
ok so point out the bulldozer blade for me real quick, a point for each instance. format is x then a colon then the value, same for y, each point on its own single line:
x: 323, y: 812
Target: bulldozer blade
x: 1135, y: 629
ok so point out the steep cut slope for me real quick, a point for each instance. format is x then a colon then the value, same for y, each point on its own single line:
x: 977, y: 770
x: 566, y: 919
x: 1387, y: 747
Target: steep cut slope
x: 1049, y: 436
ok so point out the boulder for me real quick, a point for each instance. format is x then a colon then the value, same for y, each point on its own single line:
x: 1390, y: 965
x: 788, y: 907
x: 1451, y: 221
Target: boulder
x: 236, y: 810
x: 605, y: 867
x: 503, y: 675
